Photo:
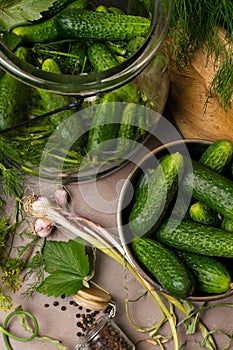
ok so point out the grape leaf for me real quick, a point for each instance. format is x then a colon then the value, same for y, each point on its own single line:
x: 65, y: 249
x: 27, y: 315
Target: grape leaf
x: 68, y: 264
x: 61, y: 283
x: 17, y: 12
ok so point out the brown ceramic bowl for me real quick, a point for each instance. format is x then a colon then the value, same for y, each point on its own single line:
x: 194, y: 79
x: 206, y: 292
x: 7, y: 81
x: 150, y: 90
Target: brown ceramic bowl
x: 189, y: 147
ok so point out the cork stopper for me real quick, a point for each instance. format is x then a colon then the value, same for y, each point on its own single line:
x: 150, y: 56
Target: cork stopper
x: 91, y: 298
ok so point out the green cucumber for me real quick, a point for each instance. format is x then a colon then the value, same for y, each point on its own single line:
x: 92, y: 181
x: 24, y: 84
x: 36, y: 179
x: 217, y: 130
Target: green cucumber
x: 163, y: 264
x: 218, y: 155
x: 100, y: 26
x: 45, y: 31
x: 196, y: 238
x: 104, y: 128
x: 134, y: 44
x: 227, y: 224
x: 151, y: 204
x: 38, y: 33
x: 129, y: 93
x: 201, y: 212
x: 211, y: 188
x: 136, y: 121
x: 102, y: 8
x: 51, y: 101
x: 129, y: 131
x: 61, y: 121
x: 14, y: 96
x: 211, y: 275
x: 100, y: 57
x: 143, y: 180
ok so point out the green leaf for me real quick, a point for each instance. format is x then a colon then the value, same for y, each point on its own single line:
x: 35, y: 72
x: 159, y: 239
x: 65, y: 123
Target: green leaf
x: 18, y: 12
x: 68, y: 264
x: 58, y: 283
x: 66, y: 257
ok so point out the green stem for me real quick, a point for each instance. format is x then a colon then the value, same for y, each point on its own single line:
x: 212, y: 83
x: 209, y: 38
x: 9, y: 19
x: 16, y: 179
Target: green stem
x: 186, y: 312
x: 13, y: 225
x: 120, y: 259
x: 29, y: 245
x: 7, y: 334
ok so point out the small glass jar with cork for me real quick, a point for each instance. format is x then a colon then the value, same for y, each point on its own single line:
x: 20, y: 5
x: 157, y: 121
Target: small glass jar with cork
x: 104, y: 334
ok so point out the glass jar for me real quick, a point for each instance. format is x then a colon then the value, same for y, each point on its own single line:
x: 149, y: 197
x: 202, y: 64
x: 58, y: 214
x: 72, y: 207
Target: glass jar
x: 106, y: 335
x: 61, y: 155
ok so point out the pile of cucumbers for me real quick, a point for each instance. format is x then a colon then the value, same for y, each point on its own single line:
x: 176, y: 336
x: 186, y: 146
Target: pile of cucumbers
x: 73, y: 37
x: 188, y: 254
x: 66, y: 31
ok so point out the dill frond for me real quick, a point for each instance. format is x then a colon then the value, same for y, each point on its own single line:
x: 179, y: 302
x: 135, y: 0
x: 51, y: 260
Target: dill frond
x: 35, y: 268
x: 194, y: 25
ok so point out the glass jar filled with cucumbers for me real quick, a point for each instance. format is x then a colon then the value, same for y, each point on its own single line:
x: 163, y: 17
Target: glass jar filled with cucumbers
x: 83, y: 84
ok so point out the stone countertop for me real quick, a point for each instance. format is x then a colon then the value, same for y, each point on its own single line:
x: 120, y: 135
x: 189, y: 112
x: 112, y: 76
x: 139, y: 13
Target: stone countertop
x: 98, y: 201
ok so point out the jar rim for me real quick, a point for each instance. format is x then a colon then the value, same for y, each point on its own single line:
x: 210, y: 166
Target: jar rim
x: 89, y: 84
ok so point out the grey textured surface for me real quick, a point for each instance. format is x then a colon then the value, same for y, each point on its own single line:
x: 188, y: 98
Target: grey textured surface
x: 98, y: 201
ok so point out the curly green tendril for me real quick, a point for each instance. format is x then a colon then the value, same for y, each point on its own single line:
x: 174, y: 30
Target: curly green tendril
x: 7, y: 334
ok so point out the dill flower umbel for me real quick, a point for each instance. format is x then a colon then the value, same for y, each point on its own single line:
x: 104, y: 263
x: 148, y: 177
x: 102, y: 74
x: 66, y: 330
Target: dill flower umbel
x: 11, y: 274
x: 6, y: 302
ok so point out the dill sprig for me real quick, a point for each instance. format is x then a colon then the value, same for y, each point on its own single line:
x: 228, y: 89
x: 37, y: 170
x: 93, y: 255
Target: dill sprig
x: 4, y: 231
x: 16, y: 261
x: 13, y: 258
x: 35, y: 271
x: 71, y: 56
x: 195, y: 24
x: 221, y: 85
x: 11, y: 179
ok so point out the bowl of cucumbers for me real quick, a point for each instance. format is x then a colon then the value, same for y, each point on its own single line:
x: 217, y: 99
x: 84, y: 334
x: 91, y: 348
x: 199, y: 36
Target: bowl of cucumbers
x: 175, y: 219
x: 68, y: 89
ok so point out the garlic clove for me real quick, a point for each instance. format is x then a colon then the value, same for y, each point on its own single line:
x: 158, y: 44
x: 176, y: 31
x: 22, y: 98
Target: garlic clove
x: 61, y: 196
x: 43, y: 227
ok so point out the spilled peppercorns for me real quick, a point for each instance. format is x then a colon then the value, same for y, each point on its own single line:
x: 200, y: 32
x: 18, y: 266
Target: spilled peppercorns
x: 86, y: 317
